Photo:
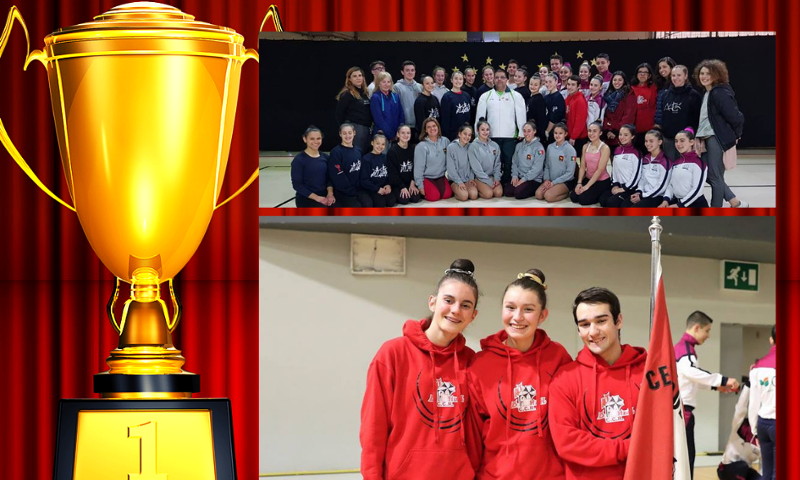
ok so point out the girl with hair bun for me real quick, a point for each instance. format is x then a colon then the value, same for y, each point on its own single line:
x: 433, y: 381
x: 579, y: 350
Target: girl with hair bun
x: 593, y: 178
x: 344, y: 170
x: 484, y: 159
x: 559, y: 168
x: 414, y: 416
x: 527, y: 165
x: 627, y: 170
x: 374, y: 177
x: 687, y: 175
x: 401, y: 168
x: 309, y: 173
x: 655, y: 174
x: 510, y: 386
x: 426, y: 105
x: 462, y: 180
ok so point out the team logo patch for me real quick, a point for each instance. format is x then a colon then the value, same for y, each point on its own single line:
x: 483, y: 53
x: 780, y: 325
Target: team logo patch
x: 574, y: 159
x: 494, y: 151
x: 611, y: 410
x: 445, y: 394
x: 561, y: 158
x: 541, y: 152
x: 529, y: 156
x: 524, y: 398
x: 445, y: 149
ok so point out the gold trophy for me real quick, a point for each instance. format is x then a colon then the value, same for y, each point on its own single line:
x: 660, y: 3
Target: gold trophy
x: 144, y: 99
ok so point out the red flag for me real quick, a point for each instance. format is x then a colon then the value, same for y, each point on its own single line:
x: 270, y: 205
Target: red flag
x: 658, y: 442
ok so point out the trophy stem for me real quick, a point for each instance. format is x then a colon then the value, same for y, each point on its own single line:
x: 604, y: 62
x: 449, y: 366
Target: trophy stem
x: 145, y: 363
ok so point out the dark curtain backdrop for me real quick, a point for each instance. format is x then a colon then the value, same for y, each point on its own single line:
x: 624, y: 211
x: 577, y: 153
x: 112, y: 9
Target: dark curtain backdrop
x: 53, y: 329
x: 285, y: 116
x: 53, y: 288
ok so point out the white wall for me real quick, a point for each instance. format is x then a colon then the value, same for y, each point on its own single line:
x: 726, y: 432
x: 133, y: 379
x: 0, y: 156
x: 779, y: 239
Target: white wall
x: 320, y: 325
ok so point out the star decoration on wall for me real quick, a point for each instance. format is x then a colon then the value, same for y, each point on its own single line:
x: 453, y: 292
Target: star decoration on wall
x: 465, y: 58
x: 502, y: 65
x: 594, y: 62
x: 489, y: 60
x: 579, y: 54
x: 455, y: 69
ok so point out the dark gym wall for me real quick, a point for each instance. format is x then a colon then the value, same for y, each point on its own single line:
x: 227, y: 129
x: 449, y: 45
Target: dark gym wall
x: 299, y: 79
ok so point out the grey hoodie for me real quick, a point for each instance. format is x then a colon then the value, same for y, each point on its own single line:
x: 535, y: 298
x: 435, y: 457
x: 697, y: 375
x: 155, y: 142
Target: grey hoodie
x: 484, y: 159
x: 430, y: 160
x: 528, y: 161
x: 458, y: 169
x: 408, y: 95
x: 559, y: 166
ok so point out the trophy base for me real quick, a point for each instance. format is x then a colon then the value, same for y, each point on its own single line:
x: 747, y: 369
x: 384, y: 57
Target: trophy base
x: 99, y: 439
x: 116, y: 385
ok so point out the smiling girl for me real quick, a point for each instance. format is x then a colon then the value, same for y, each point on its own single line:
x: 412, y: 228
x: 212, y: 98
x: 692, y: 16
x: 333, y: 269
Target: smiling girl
x: 509, y: 387
x: 687, y: 175
x: 413, y: 419
x: 309, y: 173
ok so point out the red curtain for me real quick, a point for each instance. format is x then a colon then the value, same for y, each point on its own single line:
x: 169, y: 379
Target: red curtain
x: 53, y: 287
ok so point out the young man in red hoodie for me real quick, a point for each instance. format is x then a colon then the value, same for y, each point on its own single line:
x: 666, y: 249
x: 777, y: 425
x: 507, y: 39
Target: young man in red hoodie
x: 593, y: 399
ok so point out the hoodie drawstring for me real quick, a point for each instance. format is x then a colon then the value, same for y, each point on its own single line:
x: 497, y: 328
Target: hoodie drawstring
x: 628, y: 383
x: 463, y: 414
x: 436, y: 397
x: 593, y: 393
x: 537, y: 379
x: 510, y: 377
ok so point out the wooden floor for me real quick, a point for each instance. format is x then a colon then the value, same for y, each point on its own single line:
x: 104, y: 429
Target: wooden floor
x: 705, y: 473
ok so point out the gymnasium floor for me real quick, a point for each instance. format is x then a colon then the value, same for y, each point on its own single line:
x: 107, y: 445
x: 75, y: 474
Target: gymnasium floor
x: 705, y: 469
x: 752, y: 180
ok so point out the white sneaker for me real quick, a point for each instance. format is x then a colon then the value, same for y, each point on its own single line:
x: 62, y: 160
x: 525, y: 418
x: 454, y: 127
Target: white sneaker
x: 742, y: 204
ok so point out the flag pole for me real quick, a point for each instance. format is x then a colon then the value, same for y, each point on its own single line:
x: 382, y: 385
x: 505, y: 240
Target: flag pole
x: 655, y: 260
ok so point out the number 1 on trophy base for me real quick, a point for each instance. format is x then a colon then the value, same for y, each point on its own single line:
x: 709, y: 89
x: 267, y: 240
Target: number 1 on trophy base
x: 144, y: 440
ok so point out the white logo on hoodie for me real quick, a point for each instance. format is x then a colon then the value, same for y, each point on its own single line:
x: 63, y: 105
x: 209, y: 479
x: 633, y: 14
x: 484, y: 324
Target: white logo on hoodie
x: 611, y: 408
x: 445, y: 394
x: 379, y: 172
x: 524, y: 398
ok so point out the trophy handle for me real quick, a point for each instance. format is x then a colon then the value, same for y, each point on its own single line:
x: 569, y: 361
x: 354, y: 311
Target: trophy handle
x: 237, y: 192
x: 110, y: 307
x: 13, y: 14
x: 272, y: 11
x: 176, y: 306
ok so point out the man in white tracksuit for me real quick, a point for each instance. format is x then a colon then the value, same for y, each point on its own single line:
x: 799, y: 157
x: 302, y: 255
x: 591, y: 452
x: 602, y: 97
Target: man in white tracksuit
x: 504, y: 109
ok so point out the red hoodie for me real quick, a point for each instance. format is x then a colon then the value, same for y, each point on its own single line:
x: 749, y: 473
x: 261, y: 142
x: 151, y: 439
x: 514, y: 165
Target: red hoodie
x: 412, y: 420
x: 505, y: 380
x: 577, y: 111
x: 592, y: 406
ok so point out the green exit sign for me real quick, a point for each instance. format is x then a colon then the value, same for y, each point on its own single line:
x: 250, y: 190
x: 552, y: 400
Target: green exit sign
x: 739, y: 276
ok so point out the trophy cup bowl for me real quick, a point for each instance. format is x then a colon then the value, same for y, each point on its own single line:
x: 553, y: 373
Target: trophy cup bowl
x: 144, y: 99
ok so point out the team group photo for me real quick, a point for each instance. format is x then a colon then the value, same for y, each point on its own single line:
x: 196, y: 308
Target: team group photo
x: 537, y: 124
